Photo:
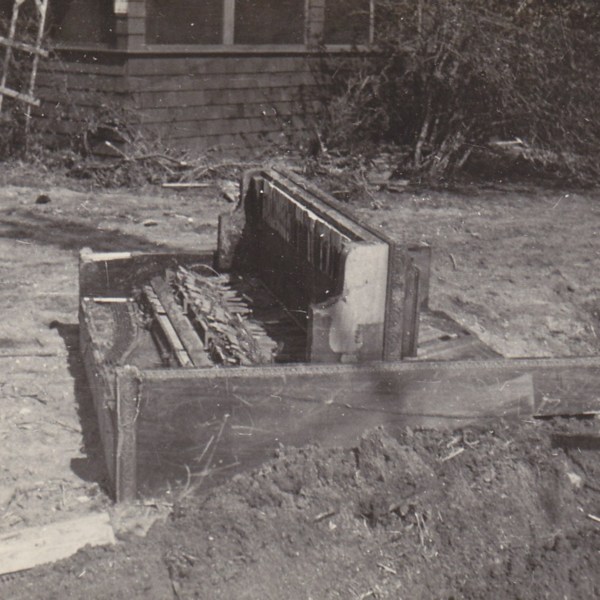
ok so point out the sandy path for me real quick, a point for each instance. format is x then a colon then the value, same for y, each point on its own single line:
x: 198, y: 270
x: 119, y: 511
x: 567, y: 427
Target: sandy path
x: 51, y: 461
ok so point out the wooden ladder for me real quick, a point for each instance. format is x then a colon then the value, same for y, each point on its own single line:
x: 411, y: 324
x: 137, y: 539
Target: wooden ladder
x: 35, y: 50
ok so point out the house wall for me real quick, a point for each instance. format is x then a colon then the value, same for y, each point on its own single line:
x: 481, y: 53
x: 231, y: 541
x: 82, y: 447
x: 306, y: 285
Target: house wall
x: 82, y: 21
x: 191, y: 95
x: 192, y: 101
x: 206, y: 100
x: 72, y: 87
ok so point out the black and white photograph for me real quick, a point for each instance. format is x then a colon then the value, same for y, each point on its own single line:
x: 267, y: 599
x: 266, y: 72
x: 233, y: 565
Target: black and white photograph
x: 300, y: 300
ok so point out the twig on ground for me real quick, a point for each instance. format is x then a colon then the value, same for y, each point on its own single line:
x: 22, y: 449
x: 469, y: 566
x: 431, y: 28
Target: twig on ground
x: 387, y: 569
x: 452, y: 454
x: 186, y: 185
x: 454, y: 265
x: 65, y: 426
x: 31, y: 354
x: 422, y: 527
x: 324, y: 515
x: 594, y: 518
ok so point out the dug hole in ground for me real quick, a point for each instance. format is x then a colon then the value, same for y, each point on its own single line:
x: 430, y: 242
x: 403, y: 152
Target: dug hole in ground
x: 504, y: 510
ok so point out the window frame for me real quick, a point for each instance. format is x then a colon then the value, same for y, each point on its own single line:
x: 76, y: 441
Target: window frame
x: 313, y: 42
x: 228, y: 37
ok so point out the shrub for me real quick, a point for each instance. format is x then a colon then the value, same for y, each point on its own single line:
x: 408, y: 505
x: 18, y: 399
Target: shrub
x: 13, y: 116
x: 445, y: 77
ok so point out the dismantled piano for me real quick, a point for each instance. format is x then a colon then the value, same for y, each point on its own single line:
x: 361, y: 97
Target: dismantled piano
x: 302, y: 326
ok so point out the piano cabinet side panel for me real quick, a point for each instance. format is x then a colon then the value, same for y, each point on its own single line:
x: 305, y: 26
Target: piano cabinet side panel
x: 350, y: 327
x: 101, y: 379
x: 237, y: 231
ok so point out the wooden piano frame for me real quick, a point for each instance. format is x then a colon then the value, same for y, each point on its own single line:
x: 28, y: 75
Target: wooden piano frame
x: 362, y: 299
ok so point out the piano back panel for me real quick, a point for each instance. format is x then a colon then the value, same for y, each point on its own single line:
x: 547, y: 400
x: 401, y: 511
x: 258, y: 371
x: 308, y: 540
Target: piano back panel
x: 327, y: 269
x: 299, y: 257
x: 351, y: 326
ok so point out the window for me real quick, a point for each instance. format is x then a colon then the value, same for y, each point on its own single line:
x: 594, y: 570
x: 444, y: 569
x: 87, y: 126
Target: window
x: 269, y: 22
x: 225, y: 21
x: 348, y: 21
x: 81, y: 21
x: 184, y: 21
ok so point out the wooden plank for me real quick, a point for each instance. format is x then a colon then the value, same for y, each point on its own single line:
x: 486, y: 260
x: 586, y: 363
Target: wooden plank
x: 84, y: 93
x: 165, y: 82
x: 89, y: 256
x: 90, y: 93
x: 568, y: 390
x: 84, y: 87
x: 442, y: 338
x: 233, y: 104
x: 331, y: 405
x: 202, y: 65
x: 166, y: 330
x: 228, y: 22
x: 19, y: 96
x: 410, y: 316
x: 196, y: 141
x: 130, y: 27
x: 136, y: 27
x: 321, y: 203
x: 22, y: 46
x: 351, y: 327
x: 294, y: 183
x: 395, y: 303
x: 77, y: 62
x: 211, y: 97
x: 230, y: 141
x: 50, y: 76
x: 460, y: 348
x: 83, y: 81
x: 219, y: 127
x: 100, y: 379
x: 184, y: 329
x: 128, y: 411
x: 265, y: 110
x: 54, y: 103
x: 230, y: 234
x: 136, y: 8
x: 421, y: 255
x: 315, y: 23
x: 27, y: 548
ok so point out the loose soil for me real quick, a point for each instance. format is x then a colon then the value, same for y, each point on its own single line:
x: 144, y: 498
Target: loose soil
x: 502, y: 512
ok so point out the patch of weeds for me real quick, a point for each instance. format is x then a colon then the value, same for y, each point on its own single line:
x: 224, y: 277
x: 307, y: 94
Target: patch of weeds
x: 453, y: 80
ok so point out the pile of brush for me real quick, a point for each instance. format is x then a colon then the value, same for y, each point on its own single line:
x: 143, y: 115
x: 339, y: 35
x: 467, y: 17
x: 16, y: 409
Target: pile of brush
x: 222, y: 317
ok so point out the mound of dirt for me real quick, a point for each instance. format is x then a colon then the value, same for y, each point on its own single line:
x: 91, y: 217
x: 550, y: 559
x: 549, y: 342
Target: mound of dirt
x: 504, y: 512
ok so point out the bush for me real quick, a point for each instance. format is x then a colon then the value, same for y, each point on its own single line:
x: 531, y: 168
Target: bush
x: 446, y: 77
x: 13, y: 116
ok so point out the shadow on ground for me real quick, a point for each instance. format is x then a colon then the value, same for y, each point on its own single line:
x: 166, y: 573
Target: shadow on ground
x: 71, y: 235
x: 91, y: 468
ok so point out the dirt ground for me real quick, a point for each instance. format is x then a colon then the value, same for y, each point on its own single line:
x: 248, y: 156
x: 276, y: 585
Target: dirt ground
x: 502, y: 512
